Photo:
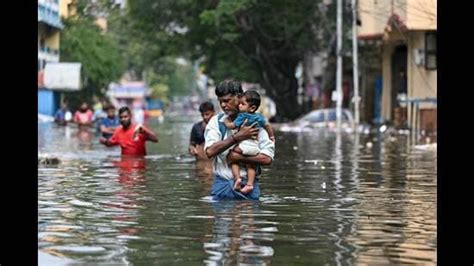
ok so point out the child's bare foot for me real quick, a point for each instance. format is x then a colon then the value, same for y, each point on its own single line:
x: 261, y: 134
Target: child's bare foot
x: 247, y: 189
x: 237, y: 184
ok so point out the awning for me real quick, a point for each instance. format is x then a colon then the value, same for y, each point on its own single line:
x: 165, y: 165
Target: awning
x: 49, y: 16
x: 129, y: 90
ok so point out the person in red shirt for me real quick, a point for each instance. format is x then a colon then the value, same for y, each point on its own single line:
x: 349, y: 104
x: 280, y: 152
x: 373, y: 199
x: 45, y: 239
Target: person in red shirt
x: 131, y: 137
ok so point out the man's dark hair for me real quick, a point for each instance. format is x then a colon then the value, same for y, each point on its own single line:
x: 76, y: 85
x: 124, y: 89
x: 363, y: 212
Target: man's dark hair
x: 229, y: 86
x: 124, y: 109
x: 253, y: 98
x: 206, y: 106
x: 107, y: 107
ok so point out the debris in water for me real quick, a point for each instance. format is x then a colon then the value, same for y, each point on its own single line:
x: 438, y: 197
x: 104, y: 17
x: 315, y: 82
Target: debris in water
x: 49, y: 160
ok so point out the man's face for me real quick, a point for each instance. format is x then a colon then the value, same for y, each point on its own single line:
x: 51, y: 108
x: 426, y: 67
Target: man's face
x: 125, y: 119
x: 207, y: 115
x: 84, y: 107
x: 111, y: 112
x: 229, y: 104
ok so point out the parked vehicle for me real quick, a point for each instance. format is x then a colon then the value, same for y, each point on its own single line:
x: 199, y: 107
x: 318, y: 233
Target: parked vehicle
x: 322, y: 118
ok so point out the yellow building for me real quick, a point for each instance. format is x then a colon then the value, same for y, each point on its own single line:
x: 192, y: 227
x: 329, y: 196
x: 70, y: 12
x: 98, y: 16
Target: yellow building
x: 49, y: 26
x: 50, y: 13
x: 406, y: 33
x: 68, y: 8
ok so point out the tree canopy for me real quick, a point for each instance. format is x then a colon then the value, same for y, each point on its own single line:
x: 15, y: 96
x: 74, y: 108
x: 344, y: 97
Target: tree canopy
x: 82, y: 41
x: 251, y: 40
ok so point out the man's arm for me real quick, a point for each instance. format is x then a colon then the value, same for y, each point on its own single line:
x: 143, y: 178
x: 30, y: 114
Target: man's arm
x: 192, y: 150
x: 220, y: 146
x: 192, y: 141
x: 104, y: 141
x: 265, y: 157
x: 108, y: 142
x: 262, y: 159
x: 112, y: 141
x: 150, y: 135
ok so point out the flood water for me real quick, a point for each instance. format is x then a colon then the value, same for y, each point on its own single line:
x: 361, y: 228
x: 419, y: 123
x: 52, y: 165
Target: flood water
x: 327, y: 199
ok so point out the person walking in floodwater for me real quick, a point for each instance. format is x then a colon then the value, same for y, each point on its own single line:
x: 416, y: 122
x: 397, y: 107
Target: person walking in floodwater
x: 196, y: 142
x: 110, y: 123
x: 63, y: 115
x: 220, y: 140
x: 130, y: 136
x: 83, y: 116
x: 249, y: 104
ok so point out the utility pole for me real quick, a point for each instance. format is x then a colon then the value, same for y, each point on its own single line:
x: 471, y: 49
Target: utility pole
x: 339, y: 65
x: 355, y: 61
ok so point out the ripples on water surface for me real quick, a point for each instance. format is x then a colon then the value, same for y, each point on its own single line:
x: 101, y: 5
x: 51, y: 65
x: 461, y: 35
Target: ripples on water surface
x: 326, y: 199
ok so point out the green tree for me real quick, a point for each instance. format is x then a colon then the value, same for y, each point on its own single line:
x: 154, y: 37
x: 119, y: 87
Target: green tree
x: 167, y: 73
x: 82, y: 41
x: 252, y: 40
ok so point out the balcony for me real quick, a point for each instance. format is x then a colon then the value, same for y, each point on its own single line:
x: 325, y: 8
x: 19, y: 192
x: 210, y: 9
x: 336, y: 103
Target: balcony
x: 49, y: 15
x: 51, y: 4
x: 48, y: 54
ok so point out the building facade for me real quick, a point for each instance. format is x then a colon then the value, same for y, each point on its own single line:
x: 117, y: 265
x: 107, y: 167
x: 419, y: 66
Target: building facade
x: 403, y: 35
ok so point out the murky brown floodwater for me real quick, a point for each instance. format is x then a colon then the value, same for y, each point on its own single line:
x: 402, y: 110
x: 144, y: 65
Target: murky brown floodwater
x: 327, y: 199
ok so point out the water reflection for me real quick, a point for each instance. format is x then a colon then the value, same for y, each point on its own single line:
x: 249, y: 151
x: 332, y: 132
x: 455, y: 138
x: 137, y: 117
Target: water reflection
x: 238, y: 237
x: 131, y: 175
x: 204, y: 173
x: 394, y: 218
x: 84, y: 135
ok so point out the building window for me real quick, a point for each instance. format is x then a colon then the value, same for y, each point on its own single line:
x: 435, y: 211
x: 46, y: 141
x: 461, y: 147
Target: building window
x: 430, y: 51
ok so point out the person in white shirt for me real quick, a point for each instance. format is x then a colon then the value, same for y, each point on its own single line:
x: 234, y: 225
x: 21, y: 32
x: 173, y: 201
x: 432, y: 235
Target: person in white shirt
x: 220, y: 141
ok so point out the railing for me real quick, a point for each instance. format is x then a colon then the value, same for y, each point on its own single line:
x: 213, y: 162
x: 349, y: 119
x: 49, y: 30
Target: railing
x: 46, y: 49
x: 414, y: 117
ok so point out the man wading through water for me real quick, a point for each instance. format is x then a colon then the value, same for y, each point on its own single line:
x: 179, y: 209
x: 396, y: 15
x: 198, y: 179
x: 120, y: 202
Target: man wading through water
x: 129, y: 136
x: 220, y: 141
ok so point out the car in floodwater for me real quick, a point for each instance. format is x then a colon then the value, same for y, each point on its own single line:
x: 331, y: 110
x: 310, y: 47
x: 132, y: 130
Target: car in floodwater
x: 319, y: 119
